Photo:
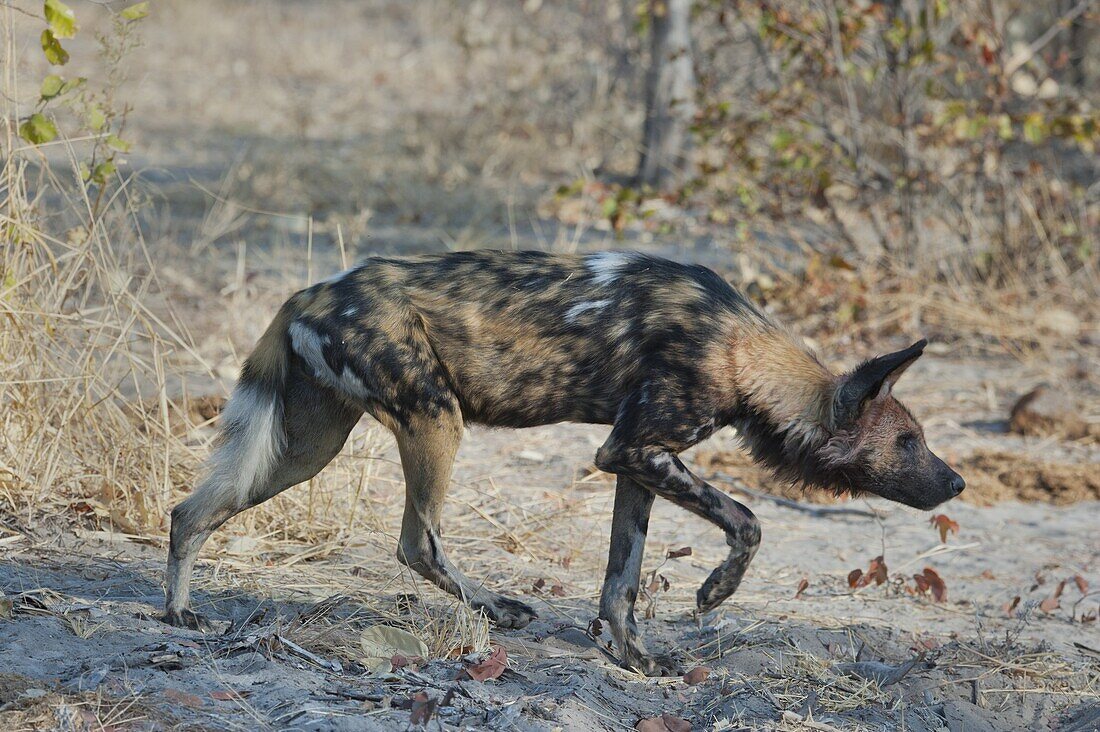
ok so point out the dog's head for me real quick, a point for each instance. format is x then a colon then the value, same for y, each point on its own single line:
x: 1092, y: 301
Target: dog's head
x: 877, y: 446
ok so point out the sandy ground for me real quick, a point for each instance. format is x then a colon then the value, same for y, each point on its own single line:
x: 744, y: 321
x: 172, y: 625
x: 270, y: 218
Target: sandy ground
x: 84, y: 641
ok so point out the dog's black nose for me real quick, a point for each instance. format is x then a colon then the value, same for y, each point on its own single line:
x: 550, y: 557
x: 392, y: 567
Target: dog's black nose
x: 957, y: 484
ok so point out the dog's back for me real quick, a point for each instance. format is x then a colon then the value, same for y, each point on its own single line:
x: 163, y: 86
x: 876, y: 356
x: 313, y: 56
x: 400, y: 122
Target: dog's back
x: 520, y: 338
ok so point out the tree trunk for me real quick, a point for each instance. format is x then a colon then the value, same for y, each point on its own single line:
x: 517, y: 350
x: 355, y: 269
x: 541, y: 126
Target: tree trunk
x: 670, y: 95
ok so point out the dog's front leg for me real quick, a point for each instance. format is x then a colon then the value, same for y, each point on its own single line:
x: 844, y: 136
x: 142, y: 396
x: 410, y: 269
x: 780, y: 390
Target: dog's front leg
x: 629, y: 525
x: 663, y: 473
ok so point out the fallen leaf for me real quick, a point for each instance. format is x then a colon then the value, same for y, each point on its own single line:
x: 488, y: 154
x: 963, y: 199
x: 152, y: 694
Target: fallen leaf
x: 802, y: 585
x: 492, y: 667
x: 697, y: 675
x: 944, y: 524
x: 423, y: 708
x: 381, y: 643
x: 930, y: 581
x: 1082, y: 584
x: 939, y: 587
x: 681, y: 552
x: 1059, y: 589
x: 877, y: 571
x: 663, y: 723
x: 182, y: 697
x: 557, y: 591
x: 229, y: 695
x: 854, y: 577
x: 1050, y: 604
x: 539, y: 584
x: 1010, y: 607
x: 595, y: 628
x: 986, y: 574
x: 460, y: 651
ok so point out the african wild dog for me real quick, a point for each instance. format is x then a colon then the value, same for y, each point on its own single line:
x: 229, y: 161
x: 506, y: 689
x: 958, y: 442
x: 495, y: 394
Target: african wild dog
x: 664, y: 352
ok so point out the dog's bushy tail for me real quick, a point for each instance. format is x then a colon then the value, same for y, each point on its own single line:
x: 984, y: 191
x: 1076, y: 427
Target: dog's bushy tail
x: 252, y: 432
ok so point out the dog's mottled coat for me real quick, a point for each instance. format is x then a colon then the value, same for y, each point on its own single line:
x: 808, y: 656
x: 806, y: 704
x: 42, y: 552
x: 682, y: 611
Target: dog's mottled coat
x: 666, y: 353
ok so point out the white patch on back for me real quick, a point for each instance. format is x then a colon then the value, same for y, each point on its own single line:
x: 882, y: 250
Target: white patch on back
x: 574, y: 312
x: 350, y: 312
x: 336, y: 277
x: 308, y: 345
x: 606, y: 266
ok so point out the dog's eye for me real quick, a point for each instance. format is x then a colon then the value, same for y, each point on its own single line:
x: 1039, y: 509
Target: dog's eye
x: 908, y: 441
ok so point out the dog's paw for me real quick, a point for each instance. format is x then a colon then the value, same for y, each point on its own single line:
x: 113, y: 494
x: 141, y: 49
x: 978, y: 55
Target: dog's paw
x: 656, y: 665
x: 187, y: 618
x: 507, y: 613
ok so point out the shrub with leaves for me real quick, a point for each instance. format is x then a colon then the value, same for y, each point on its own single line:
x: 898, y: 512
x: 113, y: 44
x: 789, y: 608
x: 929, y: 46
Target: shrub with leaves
x: 936, y: 131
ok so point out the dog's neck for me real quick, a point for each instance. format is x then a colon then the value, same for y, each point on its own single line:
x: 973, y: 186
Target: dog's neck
x: 784, y: 406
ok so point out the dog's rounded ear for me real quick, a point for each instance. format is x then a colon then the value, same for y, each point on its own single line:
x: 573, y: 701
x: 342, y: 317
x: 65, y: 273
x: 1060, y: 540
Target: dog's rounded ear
x: 871, y: 380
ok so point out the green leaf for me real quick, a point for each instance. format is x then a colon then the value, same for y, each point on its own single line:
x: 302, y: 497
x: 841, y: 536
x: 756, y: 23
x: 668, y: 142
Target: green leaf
x: 1034, y: 128
x: 117, y: 143
x: 61, y: 19
x: 95, y: 118
x: 38, y: 129
x: 782, y: 140
x: 55, y: 54
x: 103, y: 171
x: 137, y: 11
x: 72, y: 84
x: 52, y: 86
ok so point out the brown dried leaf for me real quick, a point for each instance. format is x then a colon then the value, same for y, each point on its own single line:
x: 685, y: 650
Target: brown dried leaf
x: 854, y: 577
x: 1010, y: 607
x: 423, y: 708
x: 1050, y: 604
x: 802, y: 585
x: 936, y: 584
x: 663, y: 723
x: 681, y: 552
x: 697, y: 675
x: 460, y: 651
x: 1082, y: 584
x: 182, y: 697
x: 557, y: 591
x: 1060, y: 589
x: 922, y: 583
x: 492, y: 667
x: 877, y: 572
x: 229, y: 695
x: 539, y: 584
x: 944, y: 524
x: 595, y: 628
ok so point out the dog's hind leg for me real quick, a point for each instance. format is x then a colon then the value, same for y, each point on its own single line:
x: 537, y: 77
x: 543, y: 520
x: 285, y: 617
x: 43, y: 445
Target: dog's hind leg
x: 428, y: 446
x: 267, y: 447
